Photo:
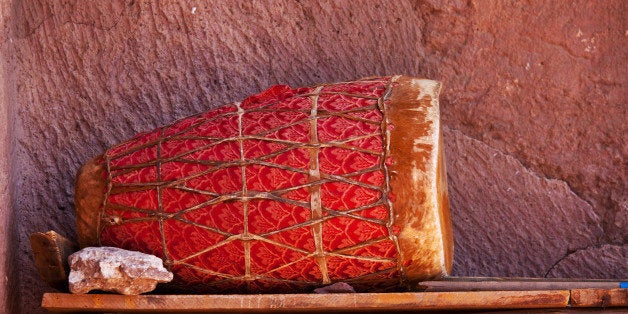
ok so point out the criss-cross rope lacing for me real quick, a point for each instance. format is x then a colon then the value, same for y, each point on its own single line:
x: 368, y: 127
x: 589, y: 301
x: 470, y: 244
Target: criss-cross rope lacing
x: 316, y: 178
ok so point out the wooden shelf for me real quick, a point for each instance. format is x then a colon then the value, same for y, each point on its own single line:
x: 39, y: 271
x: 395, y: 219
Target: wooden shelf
x: 364, y: 302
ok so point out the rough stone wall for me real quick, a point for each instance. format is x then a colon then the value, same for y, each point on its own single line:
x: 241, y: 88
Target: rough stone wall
x: 8, y: 234
x: 534, y: 104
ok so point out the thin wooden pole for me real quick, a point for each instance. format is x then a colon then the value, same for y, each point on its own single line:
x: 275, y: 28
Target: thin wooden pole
x: 512, y: 284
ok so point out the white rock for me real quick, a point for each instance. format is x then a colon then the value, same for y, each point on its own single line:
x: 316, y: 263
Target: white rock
x: 117, y: 270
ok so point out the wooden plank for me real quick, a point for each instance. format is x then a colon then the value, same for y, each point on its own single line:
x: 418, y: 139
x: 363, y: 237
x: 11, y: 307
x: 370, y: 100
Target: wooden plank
x: 599, y: 298
x: 512, y: 284
x: 474, y: 300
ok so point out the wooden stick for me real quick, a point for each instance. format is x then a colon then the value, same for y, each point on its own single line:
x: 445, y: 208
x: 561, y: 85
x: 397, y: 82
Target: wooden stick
x: 512, y: 284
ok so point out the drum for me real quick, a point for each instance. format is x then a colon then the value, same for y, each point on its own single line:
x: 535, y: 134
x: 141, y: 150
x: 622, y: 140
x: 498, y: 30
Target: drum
x: 288, y: 190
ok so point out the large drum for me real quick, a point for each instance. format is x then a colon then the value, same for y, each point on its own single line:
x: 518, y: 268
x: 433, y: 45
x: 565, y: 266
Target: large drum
x: 283, y: 192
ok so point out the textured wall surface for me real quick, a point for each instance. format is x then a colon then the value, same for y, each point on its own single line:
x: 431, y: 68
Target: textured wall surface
x: 534, y: 102
x: 8, y: 234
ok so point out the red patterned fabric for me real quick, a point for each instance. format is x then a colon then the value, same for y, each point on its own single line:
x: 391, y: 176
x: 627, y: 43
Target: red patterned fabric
x: 282, y: 192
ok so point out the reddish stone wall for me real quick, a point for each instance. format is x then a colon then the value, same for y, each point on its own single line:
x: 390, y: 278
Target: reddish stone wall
x: 534, y: 104
x: 8, y: 230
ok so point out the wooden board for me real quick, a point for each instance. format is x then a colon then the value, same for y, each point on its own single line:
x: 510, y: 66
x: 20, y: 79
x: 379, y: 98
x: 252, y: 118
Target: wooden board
x: 366, y: 302
x: 449, y: 294
x: 599, y: 298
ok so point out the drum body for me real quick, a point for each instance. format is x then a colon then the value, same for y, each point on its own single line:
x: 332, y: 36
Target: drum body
x: 286, y: 191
